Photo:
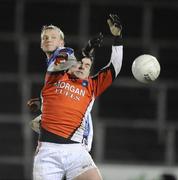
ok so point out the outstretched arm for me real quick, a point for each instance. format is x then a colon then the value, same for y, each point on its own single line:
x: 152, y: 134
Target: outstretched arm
x: 117, y: 49
x: 104, y: 78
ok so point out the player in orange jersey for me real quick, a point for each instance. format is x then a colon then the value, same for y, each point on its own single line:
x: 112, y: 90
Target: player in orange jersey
x: 67, y: 100
x: 34, y: 105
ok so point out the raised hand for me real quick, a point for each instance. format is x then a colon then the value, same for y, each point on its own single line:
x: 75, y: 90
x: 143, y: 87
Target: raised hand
x: 34, y: 104
x: 92, y: 44
x: 114, y: 24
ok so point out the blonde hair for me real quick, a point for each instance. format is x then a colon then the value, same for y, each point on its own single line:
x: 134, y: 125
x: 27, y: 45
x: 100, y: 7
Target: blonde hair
x: 44, y: 28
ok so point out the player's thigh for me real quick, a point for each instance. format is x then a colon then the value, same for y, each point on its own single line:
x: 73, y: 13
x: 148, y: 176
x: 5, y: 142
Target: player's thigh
x: 46, y: 165
x: 79, y: 162
x: 91, y: 174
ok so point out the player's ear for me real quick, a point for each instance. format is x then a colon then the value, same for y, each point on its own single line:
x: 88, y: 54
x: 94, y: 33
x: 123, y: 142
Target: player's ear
x: 61, y: 43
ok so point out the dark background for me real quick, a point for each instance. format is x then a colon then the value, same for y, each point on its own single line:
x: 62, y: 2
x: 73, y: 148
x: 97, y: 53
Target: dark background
x: 134, y: 123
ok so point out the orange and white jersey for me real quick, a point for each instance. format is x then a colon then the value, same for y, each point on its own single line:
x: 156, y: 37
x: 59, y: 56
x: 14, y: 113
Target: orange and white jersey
x: 67, y: 101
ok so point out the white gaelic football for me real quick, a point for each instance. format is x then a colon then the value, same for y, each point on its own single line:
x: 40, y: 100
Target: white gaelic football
x: 146, y: 68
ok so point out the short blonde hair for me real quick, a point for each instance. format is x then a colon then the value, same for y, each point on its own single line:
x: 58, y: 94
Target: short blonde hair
x: 44, y: 28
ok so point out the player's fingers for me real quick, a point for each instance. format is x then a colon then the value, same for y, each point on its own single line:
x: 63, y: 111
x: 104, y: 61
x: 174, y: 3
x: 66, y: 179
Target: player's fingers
x: 29, y: 103
x: 101, y: 36
x: 32, y: 105
x: 109, y: 22
x: 111, y: 16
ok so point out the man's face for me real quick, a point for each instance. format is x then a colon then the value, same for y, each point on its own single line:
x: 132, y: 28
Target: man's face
x: 50, y: 40
x: 82, y: 69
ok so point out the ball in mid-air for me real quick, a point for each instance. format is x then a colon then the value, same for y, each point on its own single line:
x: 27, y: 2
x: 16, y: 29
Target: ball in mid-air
x: 146, y: 68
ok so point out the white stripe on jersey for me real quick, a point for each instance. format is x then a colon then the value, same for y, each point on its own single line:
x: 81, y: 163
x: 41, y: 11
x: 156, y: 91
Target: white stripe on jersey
x: 78, y: 135
x: 116, y: 58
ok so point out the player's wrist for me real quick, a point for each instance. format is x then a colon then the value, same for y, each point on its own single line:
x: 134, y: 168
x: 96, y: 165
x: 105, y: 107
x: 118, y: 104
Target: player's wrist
x: 118, y: 41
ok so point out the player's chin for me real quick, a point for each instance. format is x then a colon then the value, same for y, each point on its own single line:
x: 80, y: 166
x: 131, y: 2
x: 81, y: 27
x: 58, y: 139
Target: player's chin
x: 49, y: 49
x: 79, y: 75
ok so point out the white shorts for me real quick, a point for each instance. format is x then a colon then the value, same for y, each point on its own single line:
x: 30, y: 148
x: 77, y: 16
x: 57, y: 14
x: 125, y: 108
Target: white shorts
x: 54, y: 161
